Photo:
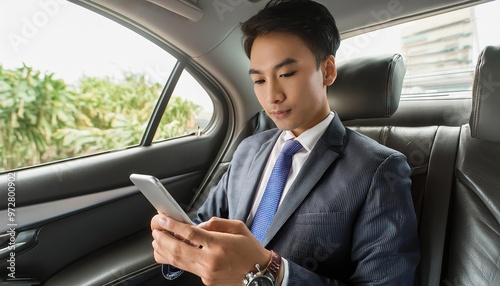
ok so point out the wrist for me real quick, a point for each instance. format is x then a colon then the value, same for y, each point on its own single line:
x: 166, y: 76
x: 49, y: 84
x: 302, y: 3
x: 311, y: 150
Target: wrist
x: 269, y: 275
x: 266, y: 260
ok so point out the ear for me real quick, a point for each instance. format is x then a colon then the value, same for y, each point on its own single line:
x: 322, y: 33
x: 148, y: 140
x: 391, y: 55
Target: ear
x: 329, y: 70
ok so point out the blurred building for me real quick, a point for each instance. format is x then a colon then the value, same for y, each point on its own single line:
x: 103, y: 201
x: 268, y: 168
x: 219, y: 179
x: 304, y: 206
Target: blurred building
x: 440, y: 58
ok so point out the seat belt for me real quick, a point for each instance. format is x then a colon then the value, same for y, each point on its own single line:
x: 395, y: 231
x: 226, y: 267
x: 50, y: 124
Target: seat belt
x: 436, y: 201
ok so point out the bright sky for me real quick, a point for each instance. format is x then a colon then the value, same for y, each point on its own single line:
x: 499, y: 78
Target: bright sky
x: 28, y: 29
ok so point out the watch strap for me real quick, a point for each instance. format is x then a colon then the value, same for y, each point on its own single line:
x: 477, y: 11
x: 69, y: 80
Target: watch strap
x: 274, y: 265
x: 270, y: 273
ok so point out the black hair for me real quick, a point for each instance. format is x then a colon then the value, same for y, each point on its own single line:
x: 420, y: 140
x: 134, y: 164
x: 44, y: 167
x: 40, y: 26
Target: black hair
x: 309, y: 20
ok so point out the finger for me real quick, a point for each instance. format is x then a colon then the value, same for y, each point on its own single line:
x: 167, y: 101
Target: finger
x: 155, y: 224
x: 154, y: 221
x: 170, y: 250
x: 178, y: 237
x: 224, y: 225
x: 189, y: 232
x: 158, y: 255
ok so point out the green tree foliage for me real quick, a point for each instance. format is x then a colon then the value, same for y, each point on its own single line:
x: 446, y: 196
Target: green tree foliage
x: 42, y: 119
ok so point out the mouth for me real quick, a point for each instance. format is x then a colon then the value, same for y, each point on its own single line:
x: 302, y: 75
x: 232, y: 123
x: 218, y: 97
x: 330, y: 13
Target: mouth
x: 278, y: 114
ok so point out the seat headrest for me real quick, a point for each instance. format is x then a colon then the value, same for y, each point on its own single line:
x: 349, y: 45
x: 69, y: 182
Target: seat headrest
x: 367, y: 87
x: 486, y: 96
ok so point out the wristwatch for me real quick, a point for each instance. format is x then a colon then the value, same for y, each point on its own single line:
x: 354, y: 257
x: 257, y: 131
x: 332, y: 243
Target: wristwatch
x: 266, y: 277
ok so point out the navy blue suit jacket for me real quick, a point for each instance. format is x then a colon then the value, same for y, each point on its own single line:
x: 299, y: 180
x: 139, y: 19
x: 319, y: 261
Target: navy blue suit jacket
x: 348, y: 218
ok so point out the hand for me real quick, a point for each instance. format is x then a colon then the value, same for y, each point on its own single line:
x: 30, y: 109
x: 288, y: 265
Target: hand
x: 219, y: 251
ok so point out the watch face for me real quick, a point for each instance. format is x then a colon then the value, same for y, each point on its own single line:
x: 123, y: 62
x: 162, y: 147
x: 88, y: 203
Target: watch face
x: 261, y: 281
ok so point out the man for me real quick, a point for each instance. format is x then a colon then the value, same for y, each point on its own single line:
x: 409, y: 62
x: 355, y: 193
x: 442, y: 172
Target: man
x: 344, y: 214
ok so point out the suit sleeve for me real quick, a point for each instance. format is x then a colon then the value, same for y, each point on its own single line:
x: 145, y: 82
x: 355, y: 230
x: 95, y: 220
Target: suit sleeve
x: 217, y: 201
x: 385, y: 241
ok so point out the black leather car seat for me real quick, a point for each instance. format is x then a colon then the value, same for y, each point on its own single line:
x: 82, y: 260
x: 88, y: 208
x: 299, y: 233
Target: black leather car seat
x: 474, y: 241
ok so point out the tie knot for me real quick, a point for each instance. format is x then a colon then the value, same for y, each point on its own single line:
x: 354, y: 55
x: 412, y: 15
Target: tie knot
x: 291, y: 147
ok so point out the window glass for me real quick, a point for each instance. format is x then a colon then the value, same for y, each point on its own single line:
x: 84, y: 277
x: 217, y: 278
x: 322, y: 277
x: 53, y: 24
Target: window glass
x: 189, y: 110
x: 75, y: 83
x: 440, y: 52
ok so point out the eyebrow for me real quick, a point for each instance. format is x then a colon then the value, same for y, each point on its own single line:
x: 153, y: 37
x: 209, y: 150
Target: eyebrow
x: 287, y: 61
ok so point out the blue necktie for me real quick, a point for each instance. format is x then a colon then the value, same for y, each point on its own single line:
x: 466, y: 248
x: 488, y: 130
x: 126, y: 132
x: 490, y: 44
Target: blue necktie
x: 272, y: 194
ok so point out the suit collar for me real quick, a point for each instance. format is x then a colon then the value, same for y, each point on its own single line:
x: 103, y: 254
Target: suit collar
x: 253, y: 178
x: 334, y: 136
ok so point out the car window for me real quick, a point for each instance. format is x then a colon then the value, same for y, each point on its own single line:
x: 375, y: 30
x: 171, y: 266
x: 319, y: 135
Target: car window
x: 440, y: 52
x: 75, y: 83
x: 190, y: 109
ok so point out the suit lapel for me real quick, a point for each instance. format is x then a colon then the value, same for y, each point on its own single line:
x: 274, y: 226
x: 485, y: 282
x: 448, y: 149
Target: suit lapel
x: 327, y: 149
x: 248, y: 192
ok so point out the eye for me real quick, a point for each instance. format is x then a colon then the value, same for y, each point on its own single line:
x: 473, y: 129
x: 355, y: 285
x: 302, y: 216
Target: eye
x: 288, y: 74
x: 259, y: 81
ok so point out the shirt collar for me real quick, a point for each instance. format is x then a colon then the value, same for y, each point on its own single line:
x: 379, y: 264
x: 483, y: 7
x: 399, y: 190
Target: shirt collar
x: 309, y: 137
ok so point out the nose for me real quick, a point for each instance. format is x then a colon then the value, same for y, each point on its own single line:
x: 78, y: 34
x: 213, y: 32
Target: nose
x: 275, y: 92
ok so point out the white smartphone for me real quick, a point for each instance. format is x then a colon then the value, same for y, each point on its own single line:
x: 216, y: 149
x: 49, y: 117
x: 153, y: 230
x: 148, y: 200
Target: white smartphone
x: 159, y: 197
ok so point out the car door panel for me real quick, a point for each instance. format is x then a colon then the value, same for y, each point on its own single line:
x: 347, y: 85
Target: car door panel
x: 88, y: 205
x: 128, y: 262
x: 110, y: 170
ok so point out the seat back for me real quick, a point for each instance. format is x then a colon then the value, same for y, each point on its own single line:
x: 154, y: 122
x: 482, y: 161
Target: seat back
x: 474, y: 238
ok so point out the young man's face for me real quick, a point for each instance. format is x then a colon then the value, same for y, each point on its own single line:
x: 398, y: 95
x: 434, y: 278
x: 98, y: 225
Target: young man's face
x: 287, y: 82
